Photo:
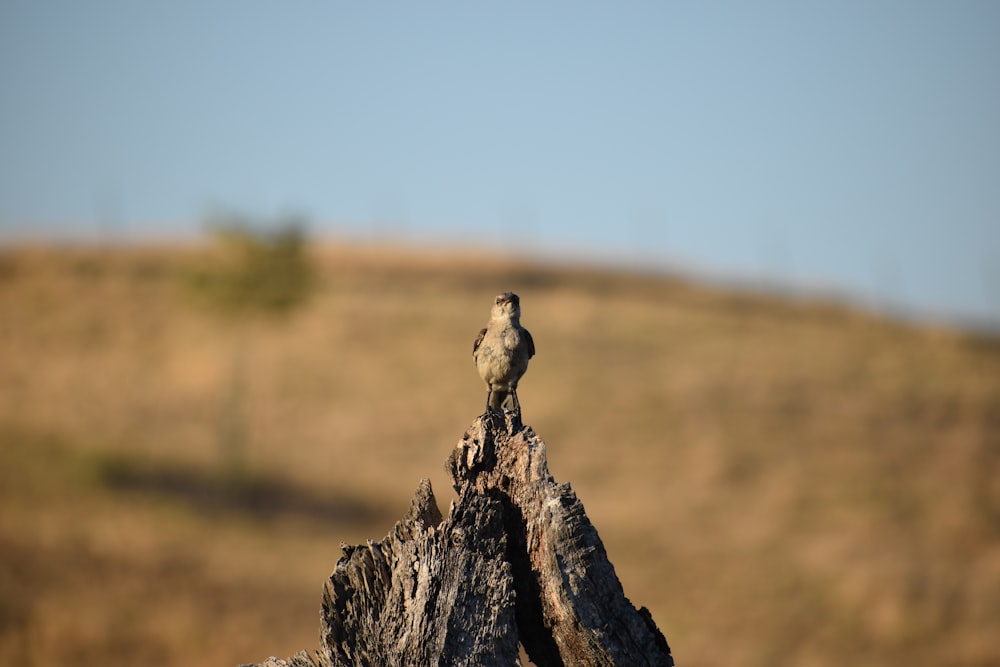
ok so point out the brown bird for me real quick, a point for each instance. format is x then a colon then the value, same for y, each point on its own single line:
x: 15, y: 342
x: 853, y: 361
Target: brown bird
x: 502, y: 350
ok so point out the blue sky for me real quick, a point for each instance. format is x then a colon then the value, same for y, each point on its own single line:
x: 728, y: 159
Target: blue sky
x: 847, y: 147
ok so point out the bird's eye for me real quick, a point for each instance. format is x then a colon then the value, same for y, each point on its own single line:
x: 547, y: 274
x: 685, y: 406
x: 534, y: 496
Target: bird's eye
x: 498, y: 301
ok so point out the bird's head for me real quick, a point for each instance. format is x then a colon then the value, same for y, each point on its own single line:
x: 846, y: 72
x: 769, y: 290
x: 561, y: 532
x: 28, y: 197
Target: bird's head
x: 507, y: 306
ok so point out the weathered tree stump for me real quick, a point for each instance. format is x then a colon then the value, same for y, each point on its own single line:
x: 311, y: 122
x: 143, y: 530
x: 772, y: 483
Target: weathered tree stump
x: 515, y: 562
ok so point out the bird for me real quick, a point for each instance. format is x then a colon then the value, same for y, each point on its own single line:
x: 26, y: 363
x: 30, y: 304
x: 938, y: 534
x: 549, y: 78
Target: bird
x: 501, y: 352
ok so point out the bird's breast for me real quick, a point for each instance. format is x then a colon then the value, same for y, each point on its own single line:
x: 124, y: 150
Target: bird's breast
x: 511, y: 339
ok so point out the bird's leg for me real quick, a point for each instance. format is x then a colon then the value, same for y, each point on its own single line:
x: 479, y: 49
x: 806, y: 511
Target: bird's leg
x: 514, y: 401
x: 500, y: 398
x: 496, y: 399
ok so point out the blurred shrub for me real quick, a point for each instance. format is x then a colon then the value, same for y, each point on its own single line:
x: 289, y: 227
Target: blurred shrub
x: 254, y: 269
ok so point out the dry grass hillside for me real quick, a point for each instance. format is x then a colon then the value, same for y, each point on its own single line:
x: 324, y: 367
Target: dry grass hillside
x: 780, y: 482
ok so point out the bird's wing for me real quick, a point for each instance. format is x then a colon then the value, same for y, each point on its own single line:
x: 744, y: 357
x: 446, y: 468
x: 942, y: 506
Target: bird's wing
x: 479, y: 339
x: 530, y: 342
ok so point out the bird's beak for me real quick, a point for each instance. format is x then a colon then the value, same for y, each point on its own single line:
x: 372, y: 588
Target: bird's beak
x: 508, y: 297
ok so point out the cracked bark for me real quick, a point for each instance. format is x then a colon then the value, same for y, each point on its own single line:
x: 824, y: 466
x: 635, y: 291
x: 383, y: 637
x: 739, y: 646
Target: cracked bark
x: 516, y: 561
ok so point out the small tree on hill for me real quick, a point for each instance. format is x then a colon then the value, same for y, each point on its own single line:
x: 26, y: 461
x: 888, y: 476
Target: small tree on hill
x: 254, y: 272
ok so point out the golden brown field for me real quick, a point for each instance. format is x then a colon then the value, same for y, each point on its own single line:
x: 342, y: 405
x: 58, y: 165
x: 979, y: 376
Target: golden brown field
x: 780, y: 482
